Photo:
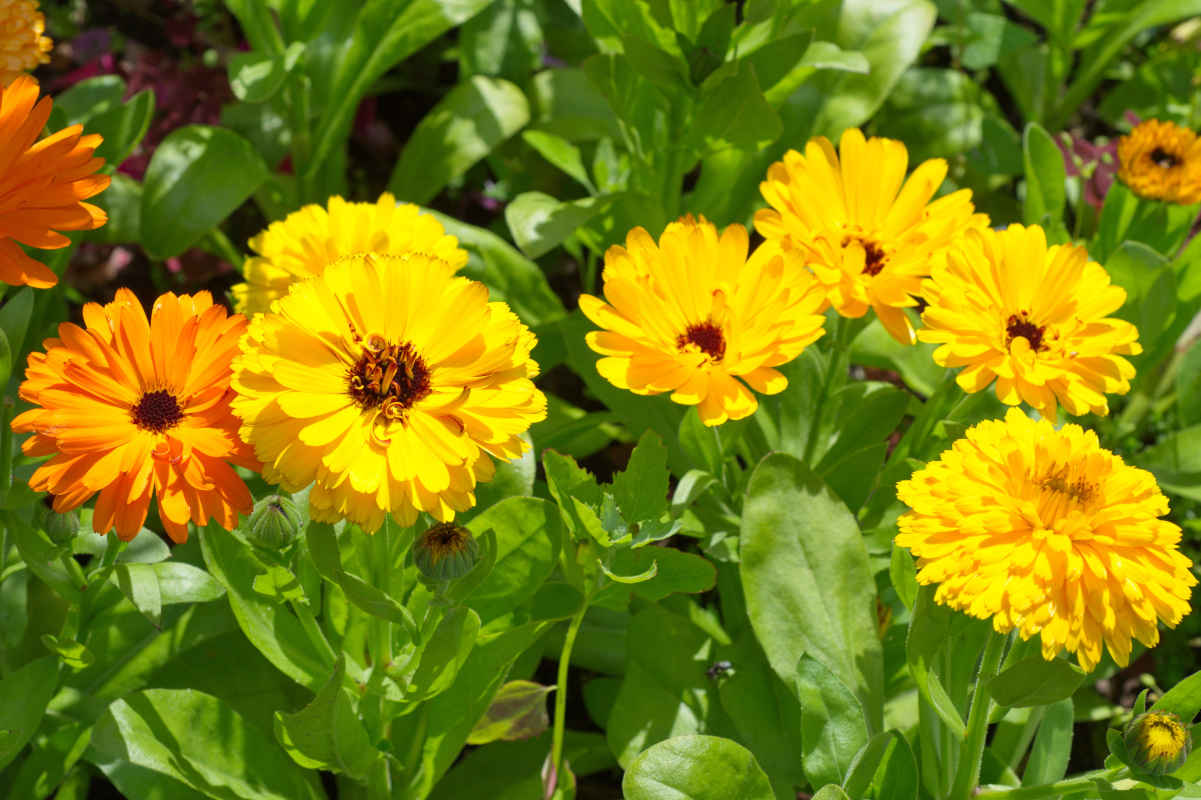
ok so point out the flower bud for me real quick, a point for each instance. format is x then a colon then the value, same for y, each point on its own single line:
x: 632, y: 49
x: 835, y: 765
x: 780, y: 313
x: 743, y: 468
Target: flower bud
x: 445, y: 552
x: 61, y: 528
x: 1157, y: 742
x: 274, y: 523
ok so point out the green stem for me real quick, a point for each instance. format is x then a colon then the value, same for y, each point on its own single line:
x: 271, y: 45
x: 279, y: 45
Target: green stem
x: 1068, y: 786
x: 556, y: 750
x: 836, y: 374
x: 968, y: 772
x: 312, y: 629
x: 934, y: 409
x: 225, y: 248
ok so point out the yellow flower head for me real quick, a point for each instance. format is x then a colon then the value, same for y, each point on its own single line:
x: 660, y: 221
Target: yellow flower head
x: 385, y: 382
x: 132, y: 409
x: 311, y: 238
x: 1046, y: 532
x: 694, y: 316
x: 43, y: 184
x: 1006, y: 306
x: 1158, y: 742
x: 868, y: 234
x: 1161, y: 160
x: 22, y: 45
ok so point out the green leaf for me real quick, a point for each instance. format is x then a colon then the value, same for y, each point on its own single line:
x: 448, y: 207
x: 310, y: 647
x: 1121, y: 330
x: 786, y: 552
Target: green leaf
x: 122, y: 126
x: 562, y: 153
x: 122, y: 201
x: 1036, y: 681
x: 696, y: 768
x: 272, y: 628
x: 24, y: 694
x: 539, y: 222
x: 1183, y: 699
x: 86, y: 99
x: 577, y: 493
x: 566, y: 102
x: 509, y: 275
x: 808, y: 587
x: 1175, y: 460
x: 15, y: 316
x: 183, y: 583
x: 511, y: 770
x: 517, y: 712
x: 74, y: 654
x: 528, y: 533
x: 638, y: 577
x: 197, y: 177
x: 198, y: 740
x: 641, y: 489
x: 989, y: 36
x: 939, y: 112
x: 465, y: 125
x: 1046, y: 180
x: 6, y: 358
x: 256, y: 76
x: 886, y: 763
x: 444, y: 654
x: 674, y: 571
x: 1188, y: 385
x: 734, y: 113
x: 929, y: 633
x: 830, y: 792
x: 327, y: 734
x: 139, y: 583
x: 369, y: 43
x: 1126, y: 218
x: 1052, y: 748
x: 833, y: 729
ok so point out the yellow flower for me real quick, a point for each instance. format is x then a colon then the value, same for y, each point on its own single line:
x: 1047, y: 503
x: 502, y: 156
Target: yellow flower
x: 311, y: 238
x: 695, y: 317
x: 42, y: 184
x: 1161, y: 160
x: 1006, y: 306
x: 868, y: 234
x: 22, y: 45
x: 134, y: 409
x: 1046, y: 532
x: 1158, y: 742
x: 385, y: 382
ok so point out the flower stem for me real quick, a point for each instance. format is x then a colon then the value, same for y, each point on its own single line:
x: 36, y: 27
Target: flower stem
x: 970, y: 755
x: 845, y: 330
x: 1064, y: 788
x: 556, y: 750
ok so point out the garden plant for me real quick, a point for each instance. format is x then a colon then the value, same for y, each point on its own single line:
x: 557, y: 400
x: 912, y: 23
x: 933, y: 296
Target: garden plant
x: 646, y: 399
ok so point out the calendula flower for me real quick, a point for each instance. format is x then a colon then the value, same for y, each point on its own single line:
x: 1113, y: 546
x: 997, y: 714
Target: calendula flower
x: 311, y: 238
x: 1158, y: 742
x: 1047, y: 533
x: 22, y: 45
x: 1004, y: 306
x: 1161, y: 160
x: 868, y: 234
x: 386, y: 382
x: 42, y: 184
x: 694, y: 316
x: 130, y: 409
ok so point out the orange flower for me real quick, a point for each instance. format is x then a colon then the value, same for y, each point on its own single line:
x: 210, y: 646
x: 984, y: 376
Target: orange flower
x: 129, y: 409
x: 42, y: 185
x: 22, y: 45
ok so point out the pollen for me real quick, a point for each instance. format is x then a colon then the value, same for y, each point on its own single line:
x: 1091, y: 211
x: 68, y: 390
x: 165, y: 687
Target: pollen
x: 390, y: 375
x: 157, y: 412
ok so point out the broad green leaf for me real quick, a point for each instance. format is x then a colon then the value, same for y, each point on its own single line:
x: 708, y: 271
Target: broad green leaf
x: 1052, y: 746
x: 517, y: 712
x: 465, y: 125
x: 15, y: 316
x: 271, y: 627
x: 134, y: 781
x: 505, y: 40
x: 1127, y: 218
x: 24, y: 693
x: 196, y: 739
x: 641, y: 488
x: 511, y: 770
x: 359, y: 48
x: 937, y: 112
x: 565, y: 102
x: 562, y: 153
x: 833, y: 728
x: 887, y: 763
x: 74, y: 654
x: 1045, y: 180
x: 577, y: 493
x: 1175, y: 461
x: 831, y: 792
x: 1183, y: 699
x: 734, y: 113
x: 805, y: 573
x: 539, y: 222
x: 1036, y: 681
x: 665, y: 691
x: 1188, y: 385
x: 696, y: 768
x: 47, y: 560
x: 256, y: 76
x: 508, y: 274
x: 528, y: 532
x: 327, y: 734
x: 670, y: 570
x: 6, y: 358
x: 54, y: 752
x: 197, y: 177
x: 139, y: 583
x: 183, y: 583
x: 122, y: 126
x: 444, y: 654
x: 122, y: 201
x: 989, y: 36
x: 87, y: 99
x: 929, y: 632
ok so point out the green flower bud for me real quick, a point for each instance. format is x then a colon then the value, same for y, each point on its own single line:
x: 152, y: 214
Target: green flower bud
x: 61, y: 528
x: 1157, y: 742
x: 445, y: 552
x: 274, y: 523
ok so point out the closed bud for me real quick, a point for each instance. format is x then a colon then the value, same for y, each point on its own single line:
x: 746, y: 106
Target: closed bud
x: 445, y: 552
x: 1157, y: 742
x: 61, y: 528
x: 274, y: 523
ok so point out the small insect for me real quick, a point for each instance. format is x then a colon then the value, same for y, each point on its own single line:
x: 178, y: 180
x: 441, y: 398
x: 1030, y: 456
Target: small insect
x: 718, y: 669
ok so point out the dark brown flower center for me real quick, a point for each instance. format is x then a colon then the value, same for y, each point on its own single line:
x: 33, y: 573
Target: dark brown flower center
x: 873, y: 254
x: 1164, y: 159
x: 1079, y: 490
x: 390, y: 375
x: 157, y: 411
x: 1020, y: 325
x: 707, y: 338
